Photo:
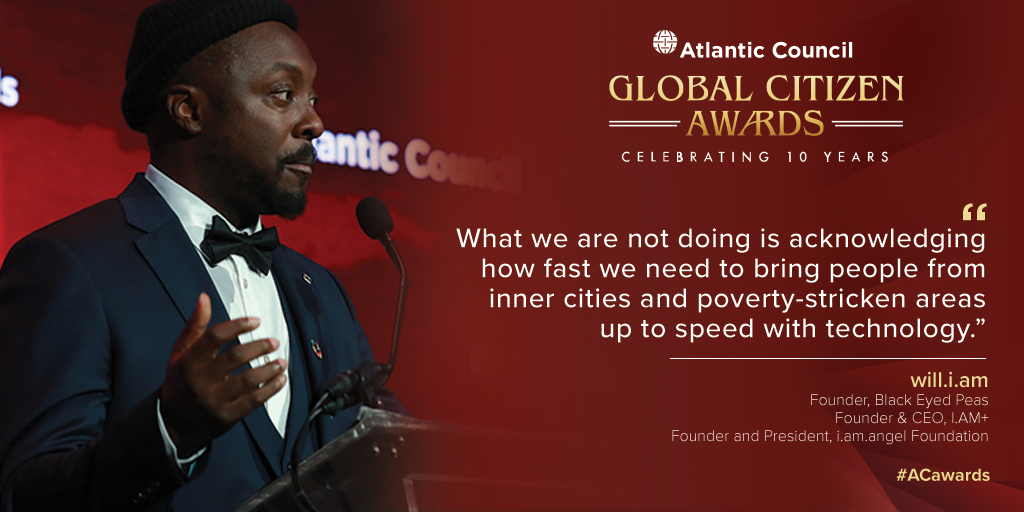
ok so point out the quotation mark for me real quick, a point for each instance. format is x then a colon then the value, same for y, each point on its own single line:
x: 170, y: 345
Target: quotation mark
x: 980, y: 321
x: 981, y: 211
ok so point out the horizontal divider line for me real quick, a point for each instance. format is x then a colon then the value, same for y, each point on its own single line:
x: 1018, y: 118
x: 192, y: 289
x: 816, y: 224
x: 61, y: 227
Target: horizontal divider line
x: 831, y: 358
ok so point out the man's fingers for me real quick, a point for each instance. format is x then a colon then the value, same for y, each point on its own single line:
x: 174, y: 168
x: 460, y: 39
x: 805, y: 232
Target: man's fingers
x: 240, y: 355
x: 218, y: 335
x: 253, y: 379
x: 196, y: 325
x: 252, y: 400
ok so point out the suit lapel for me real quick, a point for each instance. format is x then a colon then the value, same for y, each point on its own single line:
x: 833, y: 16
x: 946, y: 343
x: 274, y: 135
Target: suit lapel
x: 168, y: 250
x: 298, y: 293
x: 303, y: 311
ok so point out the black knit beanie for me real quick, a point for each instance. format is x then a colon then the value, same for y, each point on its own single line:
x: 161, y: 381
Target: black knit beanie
x: 169, y: 33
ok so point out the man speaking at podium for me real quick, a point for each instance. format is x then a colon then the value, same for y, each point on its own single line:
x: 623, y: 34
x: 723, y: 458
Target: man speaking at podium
x: 160, y: 350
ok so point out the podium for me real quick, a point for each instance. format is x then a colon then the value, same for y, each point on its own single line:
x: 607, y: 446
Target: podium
x: 397, y: 463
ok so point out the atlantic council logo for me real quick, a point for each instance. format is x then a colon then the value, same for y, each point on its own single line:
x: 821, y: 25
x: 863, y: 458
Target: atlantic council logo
x: 665, y: 41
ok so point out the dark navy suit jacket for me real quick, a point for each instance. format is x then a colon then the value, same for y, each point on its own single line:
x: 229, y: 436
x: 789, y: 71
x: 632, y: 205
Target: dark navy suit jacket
x: 90, y: 307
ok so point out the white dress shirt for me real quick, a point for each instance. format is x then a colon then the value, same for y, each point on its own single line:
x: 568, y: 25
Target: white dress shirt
x: 244, y: 292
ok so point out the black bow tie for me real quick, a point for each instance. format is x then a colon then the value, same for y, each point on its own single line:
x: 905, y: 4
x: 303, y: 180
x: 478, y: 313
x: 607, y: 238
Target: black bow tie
x: 220, y: 242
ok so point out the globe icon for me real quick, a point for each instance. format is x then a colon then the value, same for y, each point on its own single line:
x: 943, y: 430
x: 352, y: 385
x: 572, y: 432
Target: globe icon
x: 665, y: 41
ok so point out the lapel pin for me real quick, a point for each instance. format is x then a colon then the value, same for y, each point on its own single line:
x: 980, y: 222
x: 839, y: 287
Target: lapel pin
x: 305, y: 277
x: 316, y: 349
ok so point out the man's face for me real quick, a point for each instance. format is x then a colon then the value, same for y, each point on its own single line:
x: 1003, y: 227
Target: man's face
x: 258, y: 149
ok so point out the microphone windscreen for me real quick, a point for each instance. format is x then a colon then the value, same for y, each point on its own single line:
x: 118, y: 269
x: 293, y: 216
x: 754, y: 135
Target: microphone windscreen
x: 374, y: 217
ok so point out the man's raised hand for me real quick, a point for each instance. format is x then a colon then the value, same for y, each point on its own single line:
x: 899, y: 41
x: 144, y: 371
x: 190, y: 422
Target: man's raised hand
x: 200, y: 399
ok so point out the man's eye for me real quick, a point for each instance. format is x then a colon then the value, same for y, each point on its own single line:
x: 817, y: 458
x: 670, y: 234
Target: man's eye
x: 313, y: 101
x: 282, y: 95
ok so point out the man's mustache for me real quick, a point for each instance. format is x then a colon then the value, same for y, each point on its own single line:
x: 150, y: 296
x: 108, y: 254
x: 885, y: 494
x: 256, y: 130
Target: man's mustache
x: 304, y: 155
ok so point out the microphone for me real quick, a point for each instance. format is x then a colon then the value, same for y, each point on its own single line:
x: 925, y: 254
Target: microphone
x: 375, y: 219
x: 358, y: 385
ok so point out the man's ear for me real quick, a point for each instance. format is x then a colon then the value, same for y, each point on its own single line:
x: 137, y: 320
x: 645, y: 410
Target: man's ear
x: 184, y: 107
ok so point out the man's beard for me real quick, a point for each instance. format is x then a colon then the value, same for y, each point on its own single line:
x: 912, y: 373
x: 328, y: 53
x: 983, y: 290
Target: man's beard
x: 278, y: 202
x: 273, y: 198
x: 266, y: 197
